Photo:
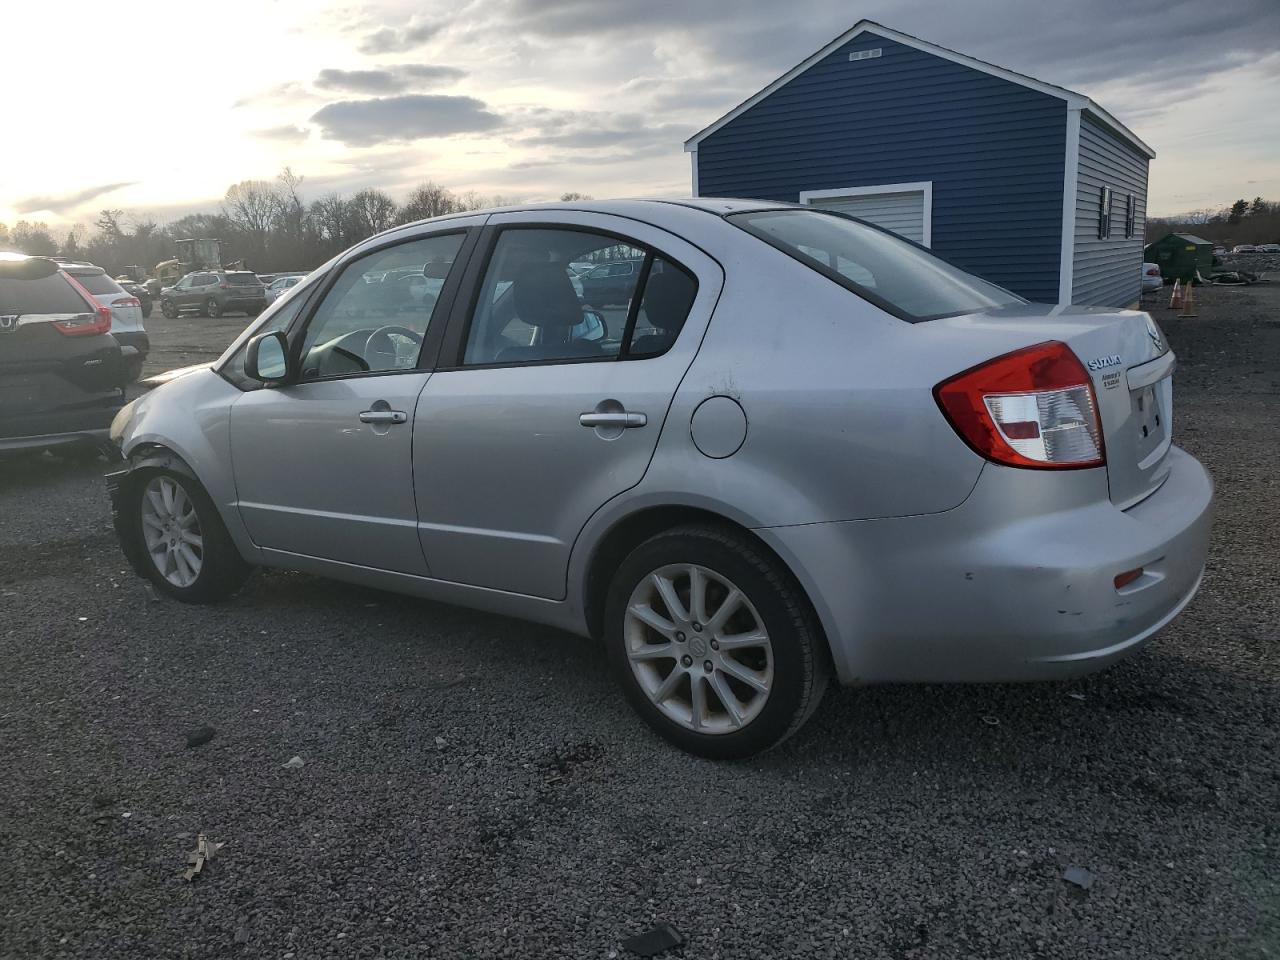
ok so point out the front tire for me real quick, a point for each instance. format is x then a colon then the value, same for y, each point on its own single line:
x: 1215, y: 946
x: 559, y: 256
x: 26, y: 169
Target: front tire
x: 169, y: 309
x: 714, y: 642
x: 181, y: 543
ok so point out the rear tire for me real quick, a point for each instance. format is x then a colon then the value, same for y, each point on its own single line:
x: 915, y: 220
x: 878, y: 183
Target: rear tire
x: 760, y: 645
x: 211, y: 308
x: 179, y: 541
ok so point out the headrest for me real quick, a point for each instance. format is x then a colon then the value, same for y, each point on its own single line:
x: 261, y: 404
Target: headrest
x: 544, y: 296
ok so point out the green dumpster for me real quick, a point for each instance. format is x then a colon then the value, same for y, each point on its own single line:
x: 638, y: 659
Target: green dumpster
x: 1180, y: 255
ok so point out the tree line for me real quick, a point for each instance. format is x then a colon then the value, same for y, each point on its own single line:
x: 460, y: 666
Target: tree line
x: 266, y: 224
x: 1245, y: 221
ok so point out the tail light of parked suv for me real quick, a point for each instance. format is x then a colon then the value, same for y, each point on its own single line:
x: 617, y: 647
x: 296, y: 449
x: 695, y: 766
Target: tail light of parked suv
x: 96, y: 320
x: 126, y: 302
x: 1034, y: 407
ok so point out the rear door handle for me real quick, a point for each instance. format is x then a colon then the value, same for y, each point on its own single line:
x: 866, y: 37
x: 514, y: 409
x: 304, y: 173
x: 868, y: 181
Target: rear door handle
x: 613, y: 419
x: 383, y: 416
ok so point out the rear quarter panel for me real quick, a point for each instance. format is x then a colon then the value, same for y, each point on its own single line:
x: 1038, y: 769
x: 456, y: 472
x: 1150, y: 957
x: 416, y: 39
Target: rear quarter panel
x: 841, y: 420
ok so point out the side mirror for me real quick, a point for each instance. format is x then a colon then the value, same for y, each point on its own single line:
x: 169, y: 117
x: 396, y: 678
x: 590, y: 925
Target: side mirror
x: 267, y: 358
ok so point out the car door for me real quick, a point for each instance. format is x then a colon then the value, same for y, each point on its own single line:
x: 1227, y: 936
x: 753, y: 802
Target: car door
x: 538, y: 412
x: 322, y: 464
x: 193, y: 294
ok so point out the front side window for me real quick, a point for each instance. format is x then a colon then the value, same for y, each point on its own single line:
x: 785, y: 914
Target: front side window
x: 893, y: 273
x: 376, y: 315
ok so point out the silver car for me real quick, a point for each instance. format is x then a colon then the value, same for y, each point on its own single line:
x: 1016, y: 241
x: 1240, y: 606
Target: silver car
x: 800, y: 448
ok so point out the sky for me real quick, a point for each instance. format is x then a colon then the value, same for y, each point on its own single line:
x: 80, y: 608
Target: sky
x: 156, y: 108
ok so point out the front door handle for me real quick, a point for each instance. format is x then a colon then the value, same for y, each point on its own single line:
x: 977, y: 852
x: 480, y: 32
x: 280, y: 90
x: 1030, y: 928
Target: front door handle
x: 611, y: 419
x: 383, y: 416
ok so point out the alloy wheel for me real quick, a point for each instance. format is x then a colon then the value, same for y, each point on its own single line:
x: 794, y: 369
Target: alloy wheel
x: 698, y: 648
x: 171, y: 529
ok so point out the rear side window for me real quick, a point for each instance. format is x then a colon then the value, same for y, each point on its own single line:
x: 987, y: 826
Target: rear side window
x: 97, y: 283
x: 241, y: 279
x: 47, y: 295
x: 892, y: 273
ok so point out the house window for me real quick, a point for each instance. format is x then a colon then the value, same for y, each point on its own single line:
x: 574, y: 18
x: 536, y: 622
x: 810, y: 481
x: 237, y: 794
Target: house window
x: 1104, y: 213
x: 1130, y: 216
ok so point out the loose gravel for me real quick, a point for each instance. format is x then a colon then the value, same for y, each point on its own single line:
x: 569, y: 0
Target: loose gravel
x: 471, y: 786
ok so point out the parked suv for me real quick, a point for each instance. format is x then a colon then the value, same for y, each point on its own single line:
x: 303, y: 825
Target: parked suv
x: 126, y: 312
x: 61, y: 371
x: 211, y: 293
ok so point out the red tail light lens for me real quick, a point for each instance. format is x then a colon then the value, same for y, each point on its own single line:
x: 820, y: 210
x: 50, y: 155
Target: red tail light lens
x: 98, y: 320
x: 1034, y: 407
x: 224, y: 285
x: 126, y: 302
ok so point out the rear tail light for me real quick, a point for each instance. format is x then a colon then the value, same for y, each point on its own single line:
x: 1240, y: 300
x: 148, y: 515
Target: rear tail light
x: 97, y: 321
x: 224, y: 285
x: 1034, y: 407
x: 126, y: 302
x: 1153, y: 272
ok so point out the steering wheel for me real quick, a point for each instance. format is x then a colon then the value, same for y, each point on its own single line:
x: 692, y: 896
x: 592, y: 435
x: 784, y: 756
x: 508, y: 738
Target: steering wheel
x: 380, y: 345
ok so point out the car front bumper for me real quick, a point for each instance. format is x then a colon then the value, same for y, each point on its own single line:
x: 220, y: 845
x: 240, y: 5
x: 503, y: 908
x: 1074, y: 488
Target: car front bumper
x: 1017, y: 583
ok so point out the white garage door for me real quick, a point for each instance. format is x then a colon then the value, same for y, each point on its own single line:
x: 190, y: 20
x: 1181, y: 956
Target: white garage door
x: 904, y: 211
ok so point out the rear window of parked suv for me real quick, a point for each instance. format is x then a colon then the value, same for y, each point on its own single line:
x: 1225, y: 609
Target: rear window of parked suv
x: 893, y: 273
x: 48, y: 295
x: 96, y: 282
x: 243, y: 279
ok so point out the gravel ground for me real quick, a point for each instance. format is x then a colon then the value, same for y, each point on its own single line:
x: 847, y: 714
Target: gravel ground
x: 474, y: 786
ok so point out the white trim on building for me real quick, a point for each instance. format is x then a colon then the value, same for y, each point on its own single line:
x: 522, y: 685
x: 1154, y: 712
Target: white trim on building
x: 1070, y: 175
x: 1075, y: 101
x: 923, y: 187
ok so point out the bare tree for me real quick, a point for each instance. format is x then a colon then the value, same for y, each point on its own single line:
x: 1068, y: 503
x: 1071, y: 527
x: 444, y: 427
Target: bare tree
x: 372, y: 211
x: 34, y: 239
x: 427, y: 200
x: 571, y: 197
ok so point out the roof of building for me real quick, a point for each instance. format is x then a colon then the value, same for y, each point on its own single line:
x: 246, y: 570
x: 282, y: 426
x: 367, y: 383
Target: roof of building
x: 1185, y: 238
x: 1075, y: 101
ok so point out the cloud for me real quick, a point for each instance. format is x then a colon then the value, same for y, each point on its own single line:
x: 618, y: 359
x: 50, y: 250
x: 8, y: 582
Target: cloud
x: 398, y: 40
x: 288, y: 133
x: 362, y: 123
x: 283, y: 94
x: 594, y: 130
x: 394, y: 79
x: 68, y: 201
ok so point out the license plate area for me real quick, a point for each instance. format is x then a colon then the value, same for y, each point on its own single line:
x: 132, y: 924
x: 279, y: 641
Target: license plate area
x: 1152, y: 415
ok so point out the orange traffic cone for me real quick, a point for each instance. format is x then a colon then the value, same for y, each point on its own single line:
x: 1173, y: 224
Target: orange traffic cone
x: 1175, y: 301
x: 1188, y: 302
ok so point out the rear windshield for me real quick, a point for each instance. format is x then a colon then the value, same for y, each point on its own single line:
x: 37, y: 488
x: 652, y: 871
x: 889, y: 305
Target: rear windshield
x: 47, y: 295
x: 893, y: 273
x: 96, y: 283
x: 243, y: 278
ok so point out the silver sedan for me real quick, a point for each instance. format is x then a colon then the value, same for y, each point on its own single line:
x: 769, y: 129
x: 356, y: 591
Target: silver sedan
x: 794, y: 448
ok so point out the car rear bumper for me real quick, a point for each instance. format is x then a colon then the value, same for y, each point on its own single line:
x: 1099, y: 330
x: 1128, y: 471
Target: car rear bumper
x: 1017, y: 583
x: 133, y: 342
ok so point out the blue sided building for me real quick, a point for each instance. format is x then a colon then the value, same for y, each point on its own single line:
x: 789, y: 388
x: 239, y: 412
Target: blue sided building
x: 1027, y: 184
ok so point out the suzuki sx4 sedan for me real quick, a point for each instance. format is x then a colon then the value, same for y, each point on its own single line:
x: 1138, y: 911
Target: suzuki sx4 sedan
x: 797, y: 448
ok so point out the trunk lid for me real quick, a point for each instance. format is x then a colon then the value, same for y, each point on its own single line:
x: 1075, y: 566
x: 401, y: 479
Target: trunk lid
x: 1131, y: 367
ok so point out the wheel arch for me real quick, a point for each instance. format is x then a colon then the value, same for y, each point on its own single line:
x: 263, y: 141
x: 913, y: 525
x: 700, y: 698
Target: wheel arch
x: 628, y: 532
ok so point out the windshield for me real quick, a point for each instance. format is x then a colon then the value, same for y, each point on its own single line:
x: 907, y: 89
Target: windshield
x: 893, y: 273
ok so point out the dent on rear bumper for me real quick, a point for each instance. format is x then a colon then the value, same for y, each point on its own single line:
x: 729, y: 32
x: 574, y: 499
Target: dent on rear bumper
x: 1015, y: 584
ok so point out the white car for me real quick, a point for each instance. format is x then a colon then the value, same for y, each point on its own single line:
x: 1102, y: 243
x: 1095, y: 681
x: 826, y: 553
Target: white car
x: 280, y: 284
x: 1269, y: 248
x: 126, y: 312
x: 1151, y: 279
x: 1244, y: 248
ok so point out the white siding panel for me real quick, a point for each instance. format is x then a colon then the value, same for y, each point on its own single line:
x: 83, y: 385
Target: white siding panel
x: 903, y: 213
